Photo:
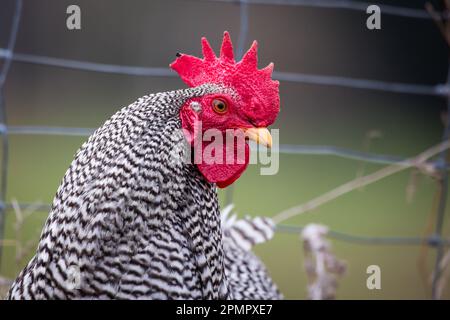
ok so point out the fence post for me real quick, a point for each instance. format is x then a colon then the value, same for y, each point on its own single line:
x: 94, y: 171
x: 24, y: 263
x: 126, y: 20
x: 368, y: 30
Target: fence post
x: 3, y: 127
x: 442, y: 202
x: 441, y: 20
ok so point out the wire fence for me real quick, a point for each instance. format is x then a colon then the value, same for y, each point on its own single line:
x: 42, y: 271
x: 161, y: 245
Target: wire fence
x: 435, y: 240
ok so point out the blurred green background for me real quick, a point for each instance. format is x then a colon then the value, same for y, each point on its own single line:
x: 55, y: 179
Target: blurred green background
x: 297, y: 39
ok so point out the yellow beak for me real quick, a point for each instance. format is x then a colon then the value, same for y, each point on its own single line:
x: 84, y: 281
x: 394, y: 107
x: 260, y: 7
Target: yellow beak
x: 260, y: 135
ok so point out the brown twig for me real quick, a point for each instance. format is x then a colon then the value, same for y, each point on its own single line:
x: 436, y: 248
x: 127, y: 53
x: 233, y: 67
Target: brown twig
x: 418, y: 161
x: 441, y: 19
x: 444, y: 266
x: 422, y: 264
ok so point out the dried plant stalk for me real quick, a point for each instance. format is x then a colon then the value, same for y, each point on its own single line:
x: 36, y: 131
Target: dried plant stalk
x: 22, y: 248
x: 322, y: 267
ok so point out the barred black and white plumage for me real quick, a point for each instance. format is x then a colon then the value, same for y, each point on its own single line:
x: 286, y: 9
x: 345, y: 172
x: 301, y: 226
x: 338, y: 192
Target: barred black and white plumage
x: 132, y: 219
x: 247, y: 276
x: 135, y: 228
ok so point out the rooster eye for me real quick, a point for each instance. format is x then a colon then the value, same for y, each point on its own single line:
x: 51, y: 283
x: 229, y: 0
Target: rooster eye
x: 219, y: 106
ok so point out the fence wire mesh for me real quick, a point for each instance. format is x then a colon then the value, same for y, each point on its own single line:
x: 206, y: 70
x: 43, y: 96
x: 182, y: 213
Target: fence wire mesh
x: 435, y: 240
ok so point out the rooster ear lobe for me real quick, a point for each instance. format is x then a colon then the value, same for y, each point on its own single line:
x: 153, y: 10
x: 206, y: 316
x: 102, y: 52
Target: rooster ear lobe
x: 208, y: 52
x: 190, y: 123
x: 226, y: 51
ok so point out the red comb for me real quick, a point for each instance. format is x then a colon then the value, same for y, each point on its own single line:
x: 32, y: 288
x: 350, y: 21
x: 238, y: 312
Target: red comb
x: 252, y: 84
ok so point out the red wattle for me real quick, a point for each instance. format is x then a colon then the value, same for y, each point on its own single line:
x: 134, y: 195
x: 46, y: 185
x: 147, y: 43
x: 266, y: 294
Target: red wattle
x: 224, y: 174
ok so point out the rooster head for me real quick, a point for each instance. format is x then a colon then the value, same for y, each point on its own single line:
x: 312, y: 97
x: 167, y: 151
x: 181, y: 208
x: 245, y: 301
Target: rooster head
x: 246, y: 100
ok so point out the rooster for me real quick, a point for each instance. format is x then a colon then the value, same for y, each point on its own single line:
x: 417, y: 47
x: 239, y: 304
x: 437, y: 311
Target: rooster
x: 132, y: 218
